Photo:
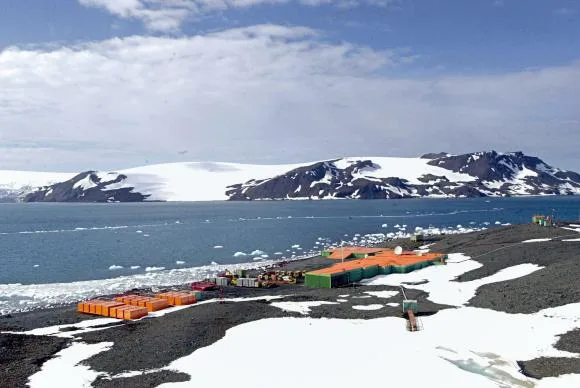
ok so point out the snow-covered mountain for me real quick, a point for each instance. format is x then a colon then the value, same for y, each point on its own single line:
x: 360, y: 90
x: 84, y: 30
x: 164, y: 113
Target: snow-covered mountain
x: 433, y: 175
x: 14, y: 185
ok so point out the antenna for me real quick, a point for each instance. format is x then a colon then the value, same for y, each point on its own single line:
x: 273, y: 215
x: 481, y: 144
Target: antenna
x: 398, y: 250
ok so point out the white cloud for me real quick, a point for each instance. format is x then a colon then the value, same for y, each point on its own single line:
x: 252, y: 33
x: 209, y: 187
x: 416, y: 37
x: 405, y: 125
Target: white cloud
x: 168, y: 15
x: 265, y: 93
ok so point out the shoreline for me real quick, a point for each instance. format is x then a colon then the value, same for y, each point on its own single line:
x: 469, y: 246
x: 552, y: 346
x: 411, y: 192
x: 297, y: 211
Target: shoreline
x: 182, y: 332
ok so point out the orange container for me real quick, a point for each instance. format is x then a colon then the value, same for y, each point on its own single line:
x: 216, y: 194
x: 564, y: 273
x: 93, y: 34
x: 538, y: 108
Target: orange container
x: 134, y: 312
x: 81, y: 307
x: 106, y: 307
x: 156, y: 304
x: 113, y: 310
x: 121, y: 311
x: 119, y: 298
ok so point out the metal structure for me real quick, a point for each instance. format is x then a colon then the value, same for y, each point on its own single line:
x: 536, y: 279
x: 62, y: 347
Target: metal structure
x: 410, y: 310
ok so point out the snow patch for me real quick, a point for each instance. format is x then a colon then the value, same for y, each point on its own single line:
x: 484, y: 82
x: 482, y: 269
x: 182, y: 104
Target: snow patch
x: 368, y: 307
x: 66, y: 370
x: 537, y: 240
x: 382, y: 294
x: 299, y: 307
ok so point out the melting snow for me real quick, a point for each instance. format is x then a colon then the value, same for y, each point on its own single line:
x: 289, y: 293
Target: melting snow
x: 454, y: 354
x: 382, y: 294
x: 65, y: 370
x: 299, y: 307
x: 537, y: 240
x: 368, y: 307
x: 441, y: 285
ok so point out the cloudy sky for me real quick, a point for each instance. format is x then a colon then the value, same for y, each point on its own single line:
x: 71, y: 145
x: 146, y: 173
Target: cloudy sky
x: 109, y: 84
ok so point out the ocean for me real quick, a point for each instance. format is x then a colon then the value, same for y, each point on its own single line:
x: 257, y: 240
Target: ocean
x: 52, y: 253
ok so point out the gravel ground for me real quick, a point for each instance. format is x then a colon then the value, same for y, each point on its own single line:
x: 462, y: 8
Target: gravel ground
x: 21, y: 356
x: 549, y: 367
x: 154, y: 343
x: 144, y: 380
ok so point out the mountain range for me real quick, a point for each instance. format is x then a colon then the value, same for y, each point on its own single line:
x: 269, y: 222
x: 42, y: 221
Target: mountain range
x: 436, y: 175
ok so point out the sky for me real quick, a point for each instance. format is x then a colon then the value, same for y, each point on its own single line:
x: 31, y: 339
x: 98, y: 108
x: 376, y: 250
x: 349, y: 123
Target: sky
x: 112, y: 84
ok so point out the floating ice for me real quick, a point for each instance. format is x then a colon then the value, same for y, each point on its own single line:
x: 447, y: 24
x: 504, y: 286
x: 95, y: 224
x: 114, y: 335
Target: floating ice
x: 138, y: 231
x: 498, y: 223
x: 36, y: 265
x: 135, y: 266
x: 214, y: 263
x: 180, y: 262
x: 258, y: 258
x: 115, y: 267
x: 257, y: 252
x: 240, y: 254
x: 384, y: 226
x: 218, y: 247
x: 153, y: 269
x: 295, y: 246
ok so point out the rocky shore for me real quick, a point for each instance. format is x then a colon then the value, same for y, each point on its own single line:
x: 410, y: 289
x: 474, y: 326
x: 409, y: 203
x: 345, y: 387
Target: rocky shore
x: 150, y: 344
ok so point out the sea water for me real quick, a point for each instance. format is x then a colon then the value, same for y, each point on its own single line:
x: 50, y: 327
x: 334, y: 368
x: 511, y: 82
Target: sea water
x: 54, y: 252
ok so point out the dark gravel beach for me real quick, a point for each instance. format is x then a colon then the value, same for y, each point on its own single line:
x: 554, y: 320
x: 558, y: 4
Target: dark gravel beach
x: 154, y: 343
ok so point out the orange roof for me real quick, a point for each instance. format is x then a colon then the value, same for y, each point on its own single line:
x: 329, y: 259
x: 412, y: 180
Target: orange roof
x: 343, y: 253
x: 383, y: 259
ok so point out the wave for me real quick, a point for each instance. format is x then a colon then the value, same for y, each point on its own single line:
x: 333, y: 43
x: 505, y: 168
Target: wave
x: 431, y: 214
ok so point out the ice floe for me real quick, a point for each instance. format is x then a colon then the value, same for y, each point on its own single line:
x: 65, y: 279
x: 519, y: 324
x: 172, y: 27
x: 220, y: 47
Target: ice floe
x: 115, y: 267
x: 152, y: 269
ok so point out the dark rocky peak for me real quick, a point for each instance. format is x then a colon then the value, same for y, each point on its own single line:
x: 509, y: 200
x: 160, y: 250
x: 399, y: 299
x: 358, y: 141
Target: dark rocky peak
x: 361, y: 166
x: 434, y: 155
x: 490, y: 165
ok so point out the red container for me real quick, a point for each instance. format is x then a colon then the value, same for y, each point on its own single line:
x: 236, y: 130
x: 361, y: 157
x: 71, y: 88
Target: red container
x: 202, y: 286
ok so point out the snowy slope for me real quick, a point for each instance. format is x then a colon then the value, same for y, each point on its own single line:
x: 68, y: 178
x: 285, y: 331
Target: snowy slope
x: 434, y: 175
x: 16, y: 183
x: 409, y: 169
x: 196, y: 181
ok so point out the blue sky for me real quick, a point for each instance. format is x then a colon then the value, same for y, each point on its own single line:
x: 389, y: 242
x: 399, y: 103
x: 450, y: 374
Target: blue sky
x: 438, y: 66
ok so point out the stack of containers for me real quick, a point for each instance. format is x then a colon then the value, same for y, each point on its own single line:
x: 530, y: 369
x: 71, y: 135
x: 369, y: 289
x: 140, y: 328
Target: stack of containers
x: 175, y: 298
x: 113, y: 309
x: 222, y: 281
x: 248, y: 282
x: 151, y: 304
